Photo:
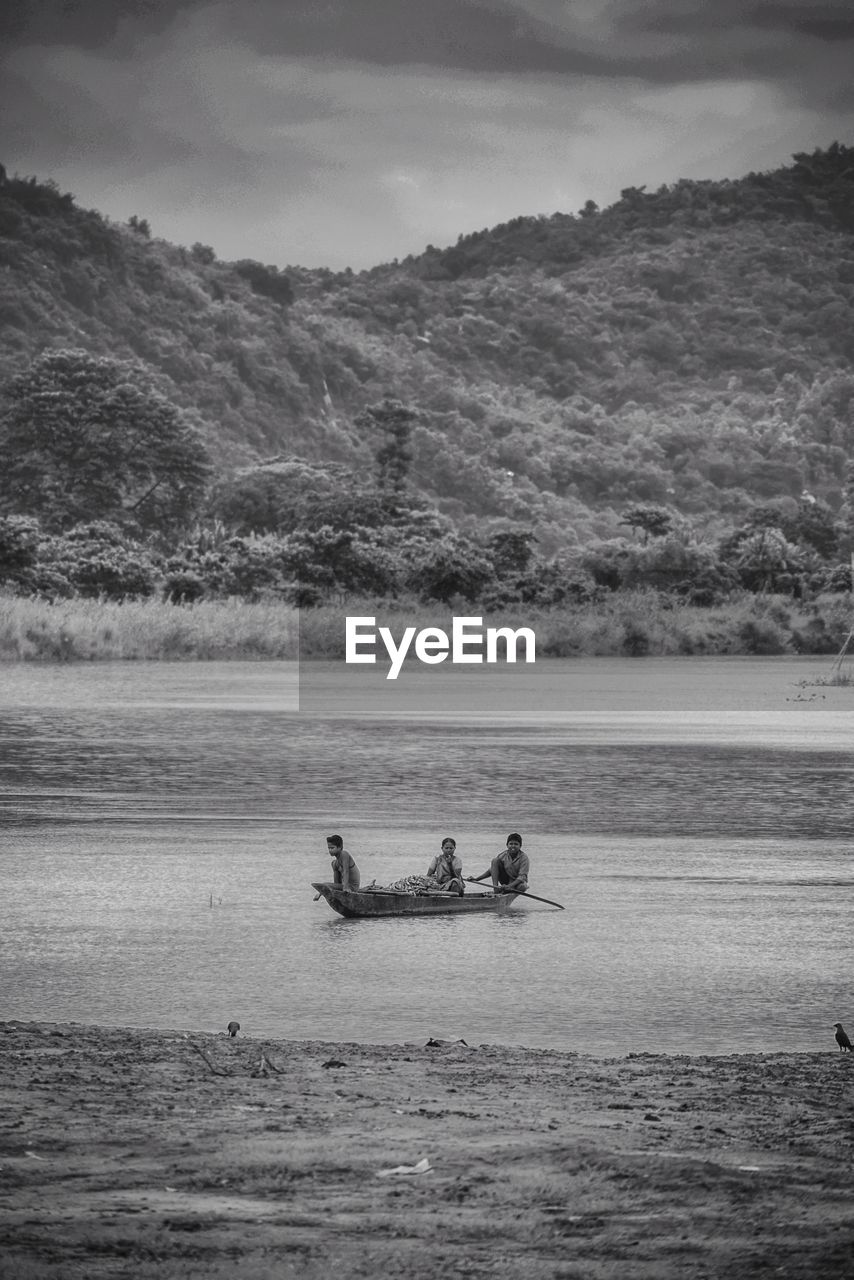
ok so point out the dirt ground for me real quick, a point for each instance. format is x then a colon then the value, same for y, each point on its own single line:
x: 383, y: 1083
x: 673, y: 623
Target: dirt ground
x: 165, y: 1155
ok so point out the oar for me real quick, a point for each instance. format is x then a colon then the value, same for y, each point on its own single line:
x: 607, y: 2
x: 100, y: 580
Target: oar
x: 523, y: 893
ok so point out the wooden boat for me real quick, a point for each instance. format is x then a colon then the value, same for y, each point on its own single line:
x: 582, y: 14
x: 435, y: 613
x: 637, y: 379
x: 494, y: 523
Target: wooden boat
x: 364, y: 903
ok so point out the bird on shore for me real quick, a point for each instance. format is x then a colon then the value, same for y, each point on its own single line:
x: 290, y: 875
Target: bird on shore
x: 233, y: 1028
x: 842, y: 1037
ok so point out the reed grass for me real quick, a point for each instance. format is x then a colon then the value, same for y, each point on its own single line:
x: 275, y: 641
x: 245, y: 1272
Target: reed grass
x: 637, y: 623
x: 631, y: 623
x: 838, y: 678
x: 96, y: 630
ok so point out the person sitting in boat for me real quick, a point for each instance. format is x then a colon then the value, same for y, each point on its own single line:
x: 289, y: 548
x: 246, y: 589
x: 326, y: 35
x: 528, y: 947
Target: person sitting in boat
x: 344, y: 869
x: 447, y: 869
x: 509, y: 871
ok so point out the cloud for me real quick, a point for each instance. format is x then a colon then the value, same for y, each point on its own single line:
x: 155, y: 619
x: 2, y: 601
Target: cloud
x: 464, y: 34
x: 87, y: 24
x: 273, y: 131
x: 656, y: 39
x: 806, y: 45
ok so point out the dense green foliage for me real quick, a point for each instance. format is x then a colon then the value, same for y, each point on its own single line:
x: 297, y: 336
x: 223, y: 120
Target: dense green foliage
x: 691, y: 346
x: 85, y: 437
x: 658, y: 395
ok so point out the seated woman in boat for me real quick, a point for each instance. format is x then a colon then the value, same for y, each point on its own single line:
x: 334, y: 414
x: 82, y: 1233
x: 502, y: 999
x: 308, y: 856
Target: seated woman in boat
x: 447, y: 869
x: 344, y: 869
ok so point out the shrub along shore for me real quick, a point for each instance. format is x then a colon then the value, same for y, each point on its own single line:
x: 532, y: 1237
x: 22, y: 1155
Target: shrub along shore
x: 636, y: 624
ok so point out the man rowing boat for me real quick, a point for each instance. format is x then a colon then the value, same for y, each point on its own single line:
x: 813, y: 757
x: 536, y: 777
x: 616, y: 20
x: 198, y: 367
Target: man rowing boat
x: 509, y: 870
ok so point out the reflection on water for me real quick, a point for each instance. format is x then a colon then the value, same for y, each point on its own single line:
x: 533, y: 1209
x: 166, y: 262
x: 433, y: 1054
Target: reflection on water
x: 162, y: 824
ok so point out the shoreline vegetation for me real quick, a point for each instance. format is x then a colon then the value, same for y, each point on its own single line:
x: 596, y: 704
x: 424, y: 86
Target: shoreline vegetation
x: 167, y: 1155
x: 631, y: 623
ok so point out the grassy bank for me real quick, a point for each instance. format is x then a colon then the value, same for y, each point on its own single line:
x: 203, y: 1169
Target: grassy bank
x: 625, y: 624
x: 636, y: 623
x: 89, y: 630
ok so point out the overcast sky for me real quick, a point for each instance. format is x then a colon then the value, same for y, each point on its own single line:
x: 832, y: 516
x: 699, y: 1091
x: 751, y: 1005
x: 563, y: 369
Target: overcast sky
x: 350, y: 132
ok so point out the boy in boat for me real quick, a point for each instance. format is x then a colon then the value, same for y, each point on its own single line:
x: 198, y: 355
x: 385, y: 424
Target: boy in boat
x: 447, y: 869
x: 344, y: 869
x: 509, y: 870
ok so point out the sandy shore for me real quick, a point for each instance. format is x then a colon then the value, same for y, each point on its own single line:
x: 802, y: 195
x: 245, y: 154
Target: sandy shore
x: 162, y: 1154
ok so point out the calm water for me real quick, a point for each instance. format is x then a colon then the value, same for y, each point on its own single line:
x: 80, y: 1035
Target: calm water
x: 161, y: 825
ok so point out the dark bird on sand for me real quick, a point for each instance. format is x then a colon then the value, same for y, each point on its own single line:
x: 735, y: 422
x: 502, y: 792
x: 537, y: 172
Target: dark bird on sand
x: 842, y: 1037
x: 233, y: 1028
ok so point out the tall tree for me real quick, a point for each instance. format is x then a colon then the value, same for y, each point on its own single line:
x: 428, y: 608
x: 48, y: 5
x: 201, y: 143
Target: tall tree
x: 394, y: 421
x: 653, y: 522
x: 87, y: 437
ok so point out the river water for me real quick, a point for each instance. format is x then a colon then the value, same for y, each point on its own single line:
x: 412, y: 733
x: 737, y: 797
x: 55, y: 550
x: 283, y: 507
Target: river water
x: 161, y: 825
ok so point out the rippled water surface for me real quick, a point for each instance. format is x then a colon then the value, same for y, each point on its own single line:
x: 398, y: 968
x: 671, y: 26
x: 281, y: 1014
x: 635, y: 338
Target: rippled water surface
x: 161, y: 825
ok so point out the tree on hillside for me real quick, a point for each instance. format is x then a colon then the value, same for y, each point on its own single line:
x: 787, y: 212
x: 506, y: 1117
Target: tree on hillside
x: 290, y: 495
x: 87, y: 437
x: 815, y: 527
x: 92, y: 559
x: 512, y: 550
x: 19, y: 543
x: 808, y: 523
x: 653, y: 522
x: 97, y: 559
x: 764, y: 559
x: 277, y: 496
x: 394, y: 421
x: 140, y: 225
x: 452, y: 566
x: 267, y: 281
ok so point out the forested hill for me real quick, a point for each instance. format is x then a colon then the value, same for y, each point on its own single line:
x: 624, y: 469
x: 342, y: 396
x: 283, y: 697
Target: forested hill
x: 691, y: 347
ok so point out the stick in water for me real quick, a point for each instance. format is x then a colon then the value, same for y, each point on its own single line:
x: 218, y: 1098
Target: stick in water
x: 522, y: 893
